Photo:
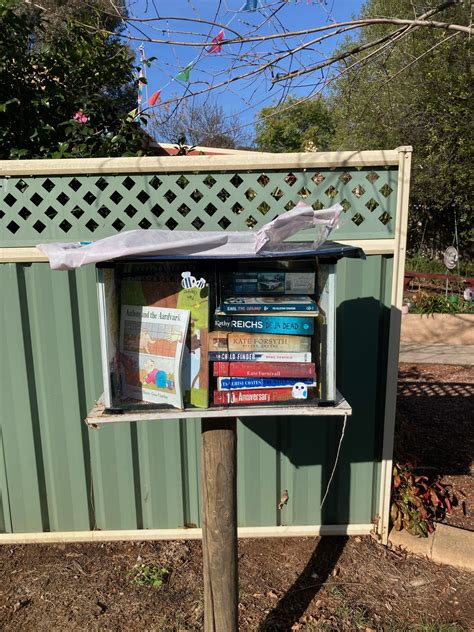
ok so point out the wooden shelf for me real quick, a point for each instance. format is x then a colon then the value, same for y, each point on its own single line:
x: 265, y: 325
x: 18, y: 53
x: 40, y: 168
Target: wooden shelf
x: 97, y: 416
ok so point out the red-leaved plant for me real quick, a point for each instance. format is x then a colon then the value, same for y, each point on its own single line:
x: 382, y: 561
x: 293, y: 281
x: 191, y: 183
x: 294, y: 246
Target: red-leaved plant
x: 416, y: 502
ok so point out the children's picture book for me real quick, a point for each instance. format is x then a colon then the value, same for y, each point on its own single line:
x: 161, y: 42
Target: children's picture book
x: 262, y: 324
x: 167, y: 286
x: 151, y: 353
x: 268, y: 304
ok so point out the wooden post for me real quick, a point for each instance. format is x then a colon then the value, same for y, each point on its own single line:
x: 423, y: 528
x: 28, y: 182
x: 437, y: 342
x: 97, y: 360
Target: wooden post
x: 219, y: 524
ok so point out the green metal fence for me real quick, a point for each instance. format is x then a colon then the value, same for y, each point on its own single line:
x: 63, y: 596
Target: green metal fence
x: 58, y: 475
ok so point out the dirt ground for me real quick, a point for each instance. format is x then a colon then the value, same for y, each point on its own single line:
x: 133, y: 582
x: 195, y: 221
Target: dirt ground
x: 316, y: 584
x: 435, y: 429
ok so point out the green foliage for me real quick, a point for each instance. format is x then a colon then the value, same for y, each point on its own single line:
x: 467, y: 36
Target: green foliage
x: 417, y: 502
x: 420, y: 263
x: 423, y: 303
x: 46, y: 78
x: 416, y: 91
x: 148, y: 575
x: 294, y: 126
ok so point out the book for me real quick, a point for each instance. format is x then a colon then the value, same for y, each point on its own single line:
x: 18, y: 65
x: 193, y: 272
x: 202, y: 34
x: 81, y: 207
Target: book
x: 298, y: 392
x: 270, y: 304
x: 163, y: 285
x: 253, y: 323
x: 254, y: 356
x: 268, y: 282
x: 264, y: 369
x: 242, y: 342
x: 151, y: 353
x: 238, y: 383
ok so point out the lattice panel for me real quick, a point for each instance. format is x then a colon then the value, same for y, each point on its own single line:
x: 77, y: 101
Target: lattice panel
x: 89, y: 207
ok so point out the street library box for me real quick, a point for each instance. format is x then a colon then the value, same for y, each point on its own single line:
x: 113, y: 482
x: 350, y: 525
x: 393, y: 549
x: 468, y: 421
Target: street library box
x: 191, y: 332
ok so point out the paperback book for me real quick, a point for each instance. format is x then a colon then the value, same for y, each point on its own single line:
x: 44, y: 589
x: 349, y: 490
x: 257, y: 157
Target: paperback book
x: 299, y: 392
x: 238, y: 383
x: 151, y: 353
x: 268, y: 282
x: 253, y: 356
x: 264, y: 369
x: 243, y: 342
x: 288, y: 325
x: 267, y: 304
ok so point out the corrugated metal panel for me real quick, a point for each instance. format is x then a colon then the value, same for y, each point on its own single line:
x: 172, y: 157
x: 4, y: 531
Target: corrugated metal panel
x: 59, y: 475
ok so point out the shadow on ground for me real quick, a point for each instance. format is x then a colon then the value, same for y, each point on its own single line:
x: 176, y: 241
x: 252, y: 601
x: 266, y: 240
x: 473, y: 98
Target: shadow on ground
x: 297, y: 598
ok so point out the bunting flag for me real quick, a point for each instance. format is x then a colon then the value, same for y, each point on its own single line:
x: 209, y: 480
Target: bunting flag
x: 216, y: 43
x: 154, y: 98
x: 132, y: 115
x: 184, y: 74
x: 250, y: 5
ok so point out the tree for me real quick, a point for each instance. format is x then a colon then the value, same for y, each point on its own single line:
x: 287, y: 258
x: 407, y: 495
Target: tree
x: 416, y: 92
x: 63, y: 96
x: 203, y: 122
x: 295, y: 125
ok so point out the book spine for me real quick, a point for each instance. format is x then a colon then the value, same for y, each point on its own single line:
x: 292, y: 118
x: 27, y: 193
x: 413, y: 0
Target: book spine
x: 238, y: 383
x: 256, y: 396
x: 243, y: 342
x: 254, y: 356
x: 264, y: 369
x: 288, y: 325
x: 233, y: 308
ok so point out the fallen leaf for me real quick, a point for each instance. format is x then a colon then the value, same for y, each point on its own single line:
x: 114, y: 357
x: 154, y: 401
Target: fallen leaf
x: 334, y: 572
x: 358, y: 540
x: 272, y: 594
x: 296, y: 626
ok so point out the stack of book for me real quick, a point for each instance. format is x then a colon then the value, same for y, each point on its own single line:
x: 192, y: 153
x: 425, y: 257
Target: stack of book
x: 261, y: 348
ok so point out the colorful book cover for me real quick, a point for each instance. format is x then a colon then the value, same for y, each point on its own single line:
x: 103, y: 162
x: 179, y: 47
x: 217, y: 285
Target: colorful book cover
x: 151, y: 353
x: 298, y: 392
x: 238, y: 383
x: 264, y: 369
x: 172, y: 289
x: 253, y: 356
x: 224, y: 341
x: 252, y: 323
x: 268, y: 282
x: 269, y: 304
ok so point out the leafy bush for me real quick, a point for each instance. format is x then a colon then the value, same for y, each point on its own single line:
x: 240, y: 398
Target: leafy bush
x: 421, y: 263
x: 417, y: 502
x: 423, y: 303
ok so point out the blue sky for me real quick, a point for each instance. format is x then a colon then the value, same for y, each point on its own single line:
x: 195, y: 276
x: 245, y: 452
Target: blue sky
x: 245, y: 97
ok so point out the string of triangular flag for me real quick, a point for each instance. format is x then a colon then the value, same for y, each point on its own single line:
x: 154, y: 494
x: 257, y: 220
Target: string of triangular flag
x: 184, y: 74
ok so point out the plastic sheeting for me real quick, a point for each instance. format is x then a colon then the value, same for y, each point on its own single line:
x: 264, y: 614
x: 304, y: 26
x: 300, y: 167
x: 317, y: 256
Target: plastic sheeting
x: 67, y: 256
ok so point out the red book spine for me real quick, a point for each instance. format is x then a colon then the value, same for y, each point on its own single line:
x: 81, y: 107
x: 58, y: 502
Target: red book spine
x: 254, y: 396
x: 264, y: 369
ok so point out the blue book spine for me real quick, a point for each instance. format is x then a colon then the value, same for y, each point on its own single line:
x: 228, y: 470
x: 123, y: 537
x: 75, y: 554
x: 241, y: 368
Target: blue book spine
x: 233, y: 308
x: 236, y: 383
x: 290, y: 325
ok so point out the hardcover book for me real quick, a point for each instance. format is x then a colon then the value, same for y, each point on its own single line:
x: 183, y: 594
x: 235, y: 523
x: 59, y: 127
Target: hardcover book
x: 288, y: 325
x: 151, y: 353
x: 298, y: 392
x: 243, y: 342
x: 253, y: 356
x: 169, y: 288
x: 264, y: 369
x: 267, y: 304
x: 238, y: 383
